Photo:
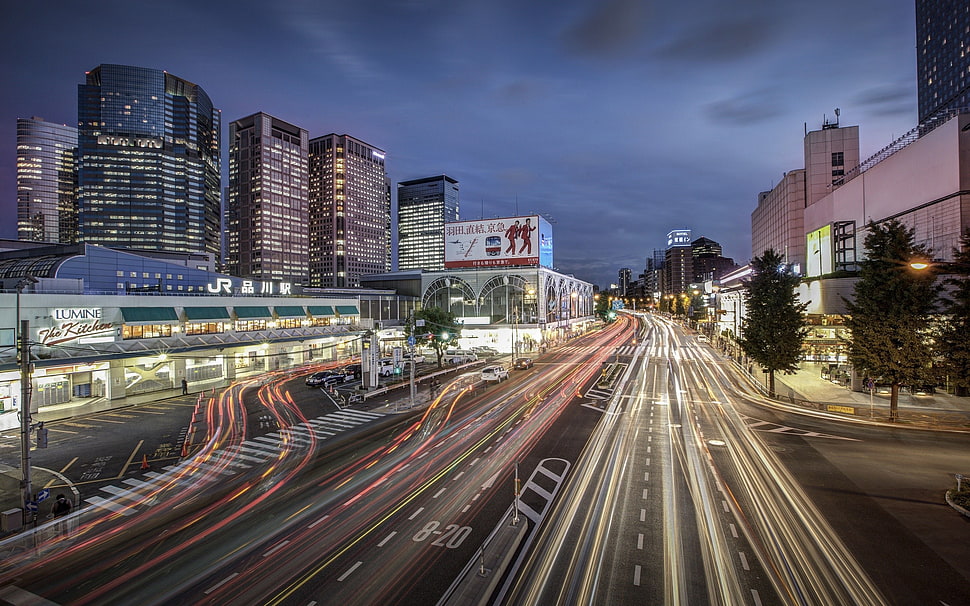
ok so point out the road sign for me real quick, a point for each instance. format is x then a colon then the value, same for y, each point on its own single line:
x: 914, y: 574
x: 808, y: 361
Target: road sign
x: 31, y: 505
x: 43, y: 494
x: 411, y: 341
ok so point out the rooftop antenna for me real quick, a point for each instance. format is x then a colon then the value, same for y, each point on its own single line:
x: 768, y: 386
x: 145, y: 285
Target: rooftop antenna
x: 837, y: 113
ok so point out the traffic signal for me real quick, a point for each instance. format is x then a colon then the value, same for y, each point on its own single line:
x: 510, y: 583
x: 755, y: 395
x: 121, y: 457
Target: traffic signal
x: 41, y: 436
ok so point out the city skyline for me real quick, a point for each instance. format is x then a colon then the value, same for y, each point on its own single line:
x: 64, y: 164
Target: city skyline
x: 618, y: 121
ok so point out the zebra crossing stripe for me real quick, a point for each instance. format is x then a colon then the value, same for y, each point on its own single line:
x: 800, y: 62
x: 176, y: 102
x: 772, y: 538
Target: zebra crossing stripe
x: 239, y: 455
x: 124, y: 510
x: 263, y: 445
x: 224, y: 458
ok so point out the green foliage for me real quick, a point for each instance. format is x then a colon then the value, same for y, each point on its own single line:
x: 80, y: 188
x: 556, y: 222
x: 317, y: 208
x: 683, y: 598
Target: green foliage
x: 954, y: 341
x: 440, y: 326
x: 774, y: 327
x: 891, y: 311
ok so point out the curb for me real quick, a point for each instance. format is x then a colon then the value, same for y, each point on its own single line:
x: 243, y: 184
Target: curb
x: 956, y: 507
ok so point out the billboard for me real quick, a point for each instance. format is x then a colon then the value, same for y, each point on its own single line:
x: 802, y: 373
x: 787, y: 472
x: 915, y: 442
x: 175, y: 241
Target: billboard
x: 499, y: 242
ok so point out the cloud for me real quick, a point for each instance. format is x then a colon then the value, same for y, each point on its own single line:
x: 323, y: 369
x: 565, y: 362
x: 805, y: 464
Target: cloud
x: 725, y: 40
x: 613, y: 26
x: 896, y: 99
x: 745, y: 109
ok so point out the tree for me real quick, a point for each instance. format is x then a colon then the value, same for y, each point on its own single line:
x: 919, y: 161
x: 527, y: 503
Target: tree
x: 440, y: 331
x: 774, y: 327
x: 954, y: 343
x: 891, y: 312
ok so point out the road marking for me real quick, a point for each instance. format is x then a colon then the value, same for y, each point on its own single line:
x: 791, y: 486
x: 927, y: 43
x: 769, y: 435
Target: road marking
x: 724, y: 504
x: 734, y: 531
x: 221, y: 583
x: 636, y: 575
x: 415, y: 514
x: 438, y: 494
x: 648, y: 449
x: 643, y: 515
x: 757, y: 598
x: 466, y: 508
x: 318, y: 521
x: 349, y: 572
x: 110, y: 505
x: 460, y: 474
x: 489, y: 482
x: 640, y: 540
x: 646, y: 476
x: 645, y: 492
x: 131, y: 457
x: 648, y: 461
x: 744, y: 560
x: 275, y: 549
x: 472, y: 464
x: 387, y: 538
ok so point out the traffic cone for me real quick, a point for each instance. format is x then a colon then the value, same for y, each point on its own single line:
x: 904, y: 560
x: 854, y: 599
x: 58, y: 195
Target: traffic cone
x: 144, y: 462
x: 185, y: 449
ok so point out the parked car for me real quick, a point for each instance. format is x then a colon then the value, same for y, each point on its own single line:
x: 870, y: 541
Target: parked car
x: 523, y: 363
x: 324, y: 377
x: 352, y: 371
x: 484, y: 351
x: 386, y: 367
x: 702, y: 338
x: 495, y: 373
x: 418, y: 358
x: 459, y: 356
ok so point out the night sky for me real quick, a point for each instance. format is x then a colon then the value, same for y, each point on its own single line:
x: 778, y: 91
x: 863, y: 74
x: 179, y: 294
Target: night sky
x: 619, y: 120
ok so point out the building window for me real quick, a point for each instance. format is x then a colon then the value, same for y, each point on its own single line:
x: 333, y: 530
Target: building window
x: 838, y: 172
x: 147, y: 331
x: 838, y: 158
x: 250, y: 325
x: 204, y: 328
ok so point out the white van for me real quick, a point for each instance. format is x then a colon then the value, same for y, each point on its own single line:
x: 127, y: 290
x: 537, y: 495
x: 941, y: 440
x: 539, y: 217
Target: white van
x: 495, y: 373
x: 459, y: 356
x: 386, y: 367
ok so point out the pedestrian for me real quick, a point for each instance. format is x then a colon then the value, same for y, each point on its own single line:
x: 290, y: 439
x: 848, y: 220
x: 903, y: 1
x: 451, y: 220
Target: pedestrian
x: 185, y: 386
x: 61, y: 506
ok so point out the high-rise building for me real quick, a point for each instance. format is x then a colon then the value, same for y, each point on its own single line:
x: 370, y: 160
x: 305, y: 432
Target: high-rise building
x: 678, y: 262
x: 46, y: 181
x: 148, y: 162
x: 350, y: 211
x: 624, y: 277
x: 709, y: 265
x: 267, y: 207
x: 942, y: 56
x: 423, y: 208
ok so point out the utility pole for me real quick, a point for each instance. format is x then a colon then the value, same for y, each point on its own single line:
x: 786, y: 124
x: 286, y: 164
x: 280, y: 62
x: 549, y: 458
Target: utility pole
x: 412, y: 325
x: 28, y: 491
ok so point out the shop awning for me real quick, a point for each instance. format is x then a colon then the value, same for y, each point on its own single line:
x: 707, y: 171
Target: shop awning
x: 206, y: 313
x: 289, y: 311
x: 250, y: 312
x: 347, y: 310
x: 149, y: 315
x: 320, y: 310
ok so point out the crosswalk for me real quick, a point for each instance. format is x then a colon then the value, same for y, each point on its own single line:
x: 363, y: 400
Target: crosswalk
x: 136, y: 493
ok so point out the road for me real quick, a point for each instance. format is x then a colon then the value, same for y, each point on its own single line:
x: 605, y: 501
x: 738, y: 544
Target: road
x: 681, y: 497
x: 319, y: 511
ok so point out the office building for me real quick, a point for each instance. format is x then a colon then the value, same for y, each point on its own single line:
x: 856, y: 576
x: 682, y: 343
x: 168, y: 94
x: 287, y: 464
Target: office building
x: 709, y: 264
x: 350, y: 211
x: 46, y: 181
x: 148, y: 162
x: 267, y: 209
x: 778, y: 223
x: 423, y: 208
x: 942, y: 56
x: 678, y: 266
x: 623, y: 281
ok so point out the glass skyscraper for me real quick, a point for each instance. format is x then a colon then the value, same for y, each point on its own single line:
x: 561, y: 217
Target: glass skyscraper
x: 46, y: 181
x: 942, y: 55
x: 423, y: 208
x: 148, y: 162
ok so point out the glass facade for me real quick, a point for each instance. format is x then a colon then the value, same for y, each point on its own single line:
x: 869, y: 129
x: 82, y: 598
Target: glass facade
x: 46, y: 181
x: 350, y: 212
x: 423, y: 208
x: 942, y: 55
x: 148, y: 162
x: 266, y: 210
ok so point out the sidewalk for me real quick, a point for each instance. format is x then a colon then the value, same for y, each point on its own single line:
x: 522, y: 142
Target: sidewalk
x: 808, y: 389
